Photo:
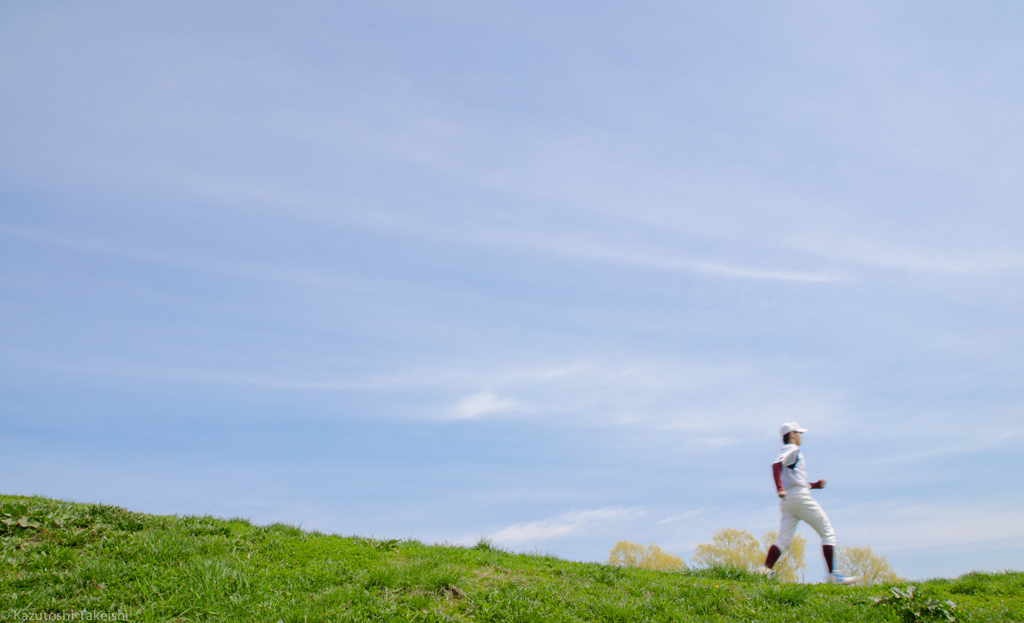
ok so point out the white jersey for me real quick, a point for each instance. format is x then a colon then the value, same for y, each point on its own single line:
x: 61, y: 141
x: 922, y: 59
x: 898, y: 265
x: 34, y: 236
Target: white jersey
x: 794, y: 468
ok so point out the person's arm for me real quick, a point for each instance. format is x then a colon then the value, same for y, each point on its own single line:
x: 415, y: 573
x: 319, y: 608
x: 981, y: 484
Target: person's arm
x: 818, y: 485
x: 777, y: 475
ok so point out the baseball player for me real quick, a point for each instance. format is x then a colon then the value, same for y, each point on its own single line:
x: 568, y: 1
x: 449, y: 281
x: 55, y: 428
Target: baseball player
x: 796, y: 504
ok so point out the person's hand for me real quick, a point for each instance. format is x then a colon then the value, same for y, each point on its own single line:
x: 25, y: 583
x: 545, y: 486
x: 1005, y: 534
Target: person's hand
x: 821, y: 483
x: 782, y: 495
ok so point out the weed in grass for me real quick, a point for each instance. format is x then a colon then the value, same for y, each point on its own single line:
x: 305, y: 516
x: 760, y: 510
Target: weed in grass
x: 388, y: 545
x: 914, y: 605
x: 16, y: 519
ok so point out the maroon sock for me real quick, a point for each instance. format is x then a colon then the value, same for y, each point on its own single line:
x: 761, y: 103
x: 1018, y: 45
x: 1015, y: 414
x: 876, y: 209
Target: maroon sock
x: 773, y: 556
x: 827, y: 549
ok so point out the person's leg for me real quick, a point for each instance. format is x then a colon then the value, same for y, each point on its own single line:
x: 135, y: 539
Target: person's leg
x: 811, y: 512
x: 787, y: 529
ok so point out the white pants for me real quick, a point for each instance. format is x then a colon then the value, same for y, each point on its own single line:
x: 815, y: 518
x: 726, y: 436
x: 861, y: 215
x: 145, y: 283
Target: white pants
x: 799, y: 505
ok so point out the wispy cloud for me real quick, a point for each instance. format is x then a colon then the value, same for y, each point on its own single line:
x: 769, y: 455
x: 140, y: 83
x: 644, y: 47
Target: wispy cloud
x: 608, y: 253
x: 245, y: 268
x: 483, y: 403
x: 528, y: 234
x: 185, y: 373
x: 572, y: 523
x: 884, y: 254
x: 675, y: 518
x: 695, y: 396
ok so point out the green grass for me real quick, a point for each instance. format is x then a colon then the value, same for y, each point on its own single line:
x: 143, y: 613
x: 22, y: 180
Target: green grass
x: 98, y: 560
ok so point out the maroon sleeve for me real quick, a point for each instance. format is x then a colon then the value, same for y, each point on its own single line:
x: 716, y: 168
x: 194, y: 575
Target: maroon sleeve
x: 816, y: 485
x: 777, y: 475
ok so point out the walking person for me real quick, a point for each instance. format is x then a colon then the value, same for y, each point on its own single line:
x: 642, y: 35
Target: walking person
x: 796, y: 505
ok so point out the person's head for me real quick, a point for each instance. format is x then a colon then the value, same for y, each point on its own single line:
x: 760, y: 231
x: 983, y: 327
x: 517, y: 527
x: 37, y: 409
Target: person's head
x: 791, y: 433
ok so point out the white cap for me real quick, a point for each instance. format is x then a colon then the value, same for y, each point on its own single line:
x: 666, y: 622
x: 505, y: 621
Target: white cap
x: 791, y: 427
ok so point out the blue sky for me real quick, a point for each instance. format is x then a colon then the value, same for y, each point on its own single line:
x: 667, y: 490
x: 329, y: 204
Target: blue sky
x: 552, y: 274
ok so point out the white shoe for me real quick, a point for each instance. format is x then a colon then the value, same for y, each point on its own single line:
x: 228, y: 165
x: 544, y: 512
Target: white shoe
x: 837, y: 578
x: 765, y: 571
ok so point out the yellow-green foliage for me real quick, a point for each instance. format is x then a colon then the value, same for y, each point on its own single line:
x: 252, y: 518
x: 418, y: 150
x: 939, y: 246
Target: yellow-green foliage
x: 626, y: 554
x: 739, y: 549
x: 729, y: 547
x: 871, y: 567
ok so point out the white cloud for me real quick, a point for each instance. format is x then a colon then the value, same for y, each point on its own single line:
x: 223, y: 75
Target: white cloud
x: 568, y: 524
x: 483, y: 403
x: 884, y: 254
x: 660, y: 395
x: 248, y: 268
x: 675, y: 518
x: 604, y: 252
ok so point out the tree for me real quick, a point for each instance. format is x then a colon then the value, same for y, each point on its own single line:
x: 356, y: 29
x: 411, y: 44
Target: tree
x: 626, y: 554
x: 739, y: 549
x: 860, y: 560
x: 729, y: 547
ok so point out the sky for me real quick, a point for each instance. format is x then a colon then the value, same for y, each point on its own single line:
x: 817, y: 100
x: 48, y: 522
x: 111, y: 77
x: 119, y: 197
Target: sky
x: 551, y: 274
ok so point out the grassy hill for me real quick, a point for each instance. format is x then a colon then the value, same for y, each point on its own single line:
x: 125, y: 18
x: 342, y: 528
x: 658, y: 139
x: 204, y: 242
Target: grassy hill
x: 94, y: 562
